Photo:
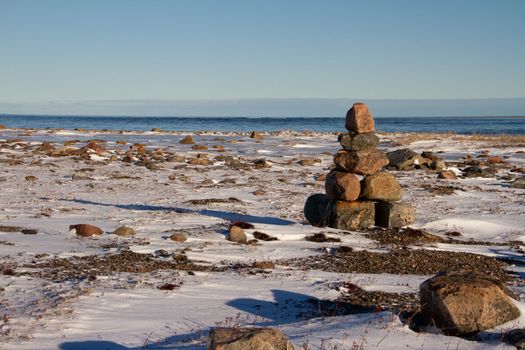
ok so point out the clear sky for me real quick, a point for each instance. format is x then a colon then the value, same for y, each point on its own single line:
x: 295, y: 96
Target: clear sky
x: 92, y: 50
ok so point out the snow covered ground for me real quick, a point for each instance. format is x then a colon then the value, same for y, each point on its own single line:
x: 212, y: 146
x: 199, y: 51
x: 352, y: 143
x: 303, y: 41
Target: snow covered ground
x: 127, y: 310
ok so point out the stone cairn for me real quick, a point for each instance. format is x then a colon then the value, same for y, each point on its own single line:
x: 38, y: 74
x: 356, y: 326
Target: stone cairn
x: 359, y: 194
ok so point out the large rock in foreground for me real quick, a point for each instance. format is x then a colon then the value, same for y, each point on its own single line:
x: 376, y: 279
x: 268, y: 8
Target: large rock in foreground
x: 364, y: 162
x: 381, y: 186
x: 248, y: 339
x: 359, y: 119
x: 355, y: 215
x: 465, y: 302
x: 355, y: 142
x: 342, y: 186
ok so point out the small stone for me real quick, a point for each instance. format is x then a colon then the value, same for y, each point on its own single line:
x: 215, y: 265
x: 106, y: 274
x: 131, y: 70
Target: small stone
x: 237, y: 235
x: 256, y: 135
x: 80, y: 175
x: 382, y: 186
x: 318, y: 210
x: 261, y: 163
x: 494, y: 160
x: 200, y: 161
x: 86, y: 230
x: 163, y: 253
x: 236, y: 338
x: 307, y: 162
x: 187, y: 140
x: 342, y: 186
x: 394, y: 215
x: 362, y: 162
x: 199, y: 147
x: 465, y: 302
x: 356, y: 142
x: 259, y: 193
x: 264, y: 237
x: 178, y: 237
x: 519, y: 183
x: 321, y: 238
x: 156, y: 130
x: 120, y: 142
x: 31, y: 178
x: 124, y: 231
x: 264, y: 265
x: 29, y: 231
x: 402, y: 159
x: 447, y: 175
x: 359, y: 119
x: 353, y: 215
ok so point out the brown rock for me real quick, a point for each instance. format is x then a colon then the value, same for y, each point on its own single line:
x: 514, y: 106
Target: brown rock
x: 178, y: 237
x: 382, y: 186
x: 94, y: 147
x: 156, y: 130
x: 494, y: 160
x: 447, y: 175
x: 342, y: 186
x: 31, y: 178
x: 465, y: 302
x: 124, y: 231
x: 359, y: 119
x: 200, y: 161
x: 120, y: 142
x: 264, y: 236
x: 199, y: 147
x: 2, y: 126
x: 362, y: 162
x: 355, y: 142
x: 86, y: 230
x: 46, y: 148
x: 237, y: 234
x: 307, y: 162
x: 264, y: 265
x: 353, y: 215
x: 236, y: 338
x: 187, y: 140
x: 394, y: 215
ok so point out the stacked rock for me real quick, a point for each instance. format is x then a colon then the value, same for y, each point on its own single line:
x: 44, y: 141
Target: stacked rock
x: 359, y: 194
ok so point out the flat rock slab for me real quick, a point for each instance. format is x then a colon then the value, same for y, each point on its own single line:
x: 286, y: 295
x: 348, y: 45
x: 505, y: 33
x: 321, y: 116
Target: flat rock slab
x: 248, y: 339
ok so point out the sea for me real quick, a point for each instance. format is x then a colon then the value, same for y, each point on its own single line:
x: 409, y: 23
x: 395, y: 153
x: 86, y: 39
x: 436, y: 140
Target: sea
x: 458, y: 125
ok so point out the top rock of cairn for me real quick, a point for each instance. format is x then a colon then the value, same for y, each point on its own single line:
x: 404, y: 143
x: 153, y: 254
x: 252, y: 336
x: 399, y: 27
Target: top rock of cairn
x: 359, y: 120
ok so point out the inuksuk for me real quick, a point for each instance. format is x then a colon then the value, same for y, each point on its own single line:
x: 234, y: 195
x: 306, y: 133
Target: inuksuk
x: 359, y: 193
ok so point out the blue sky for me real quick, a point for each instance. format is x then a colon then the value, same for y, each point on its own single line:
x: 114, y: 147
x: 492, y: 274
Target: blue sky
x: 112, y: 50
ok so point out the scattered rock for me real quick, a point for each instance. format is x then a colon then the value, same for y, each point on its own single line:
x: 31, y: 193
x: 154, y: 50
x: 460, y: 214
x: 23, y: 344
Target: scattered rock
x: 382, y: 186
x: 236, y: 338
x: 307, y: 162
x: 447, y: 175
x: 29, y: 231
x: 156, y: 130
x: 178, y: 237
x: 80, y: 175
x: 259, y: 193
x: 31, y: 178
x: 261, y: 163
x: 243, y: 225
x: 256, y: 135
x: 394, y: 215
x: 518, y: 183
x: 169, y: 286
x: 478, y: 171
x: 264, y: 237
x: 355, y: 142
x: 199, y: 147
x: 200, y: 161
x: 495, y: 160
x: 402, y: 159
x: 362, y: 162
x: 342, y: 186
x: 465, y: 302
x: 321, y: 238
x: 237, y: 234
x: 86, y: 230
x: 187, y: 140
x: 359, y: 119
x: 125, y: 231
x: 264, y: 265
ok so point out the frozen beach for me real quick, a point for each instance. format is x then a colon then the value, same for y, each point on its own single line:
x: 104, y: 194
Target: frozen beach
x: 147, y: 291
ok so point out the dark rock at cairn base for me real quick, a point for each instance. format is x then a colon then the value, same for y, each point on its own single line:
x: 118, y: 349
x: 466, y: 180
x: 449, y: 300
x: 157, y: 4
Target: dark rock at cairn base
x: 364, y: 162
x: 465, y: 302
x: 381, y: 186
x: 394, y: 215
x: 342, y: 186
x: 319, y: 210
x: 355, y: 142
x: 353, y: 215
x: 359, y: 119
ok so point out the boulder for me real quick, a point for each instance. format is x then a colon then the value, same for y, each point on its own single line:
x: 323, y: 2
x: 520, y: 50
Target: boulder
x: 187, y: 140
x: 125, y: 231
x: 355, y: 142
x: 394, y: 215
x: 178, y: 237
x: 353, y: 215
x: 382, y: 186
x: 465, y: 302
x: 359, y: 119
x: 318, y: 210
x: 405, y: 159
x: 237, y: 235
x: 236, y: 338
x: 518, y: 183
x: 86, y: 230
x: 342, y: 186
x: 364, y: 162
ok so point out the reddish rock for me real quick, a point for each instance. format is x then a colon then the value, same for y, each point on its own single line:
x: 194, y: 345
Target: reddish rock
x: 94, y: 147
x: 359, y: 119
x: 355, y: 215
x: 494, y: 160
x: 86, y: 230
x: 381, y: 186
x: 199, y: 147
x: 178, y: 237
x: 447, y: 175
x: 394, y: 215
x: 364, y: 162
x: 342, y: 186
x: 465, y: 302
